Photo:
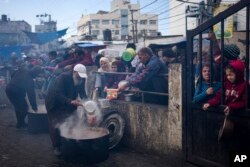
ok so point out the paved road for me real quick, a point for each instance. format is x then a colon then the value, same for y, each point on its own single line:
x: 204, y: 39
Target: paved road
x: 19, y: 148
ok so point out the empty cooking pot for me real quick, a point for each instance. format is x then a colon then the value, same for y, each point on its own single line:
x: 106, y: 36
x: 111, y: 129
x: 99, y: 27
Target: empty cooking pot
x: 38, y: 121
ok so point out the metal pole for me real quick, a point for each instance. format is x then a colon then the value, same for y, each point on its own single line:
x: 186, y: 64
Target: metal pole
x: 222, y: 62
x: 132, y: 17
x: 247, y: 51
x: 136, y: 36
x: 89, y: 27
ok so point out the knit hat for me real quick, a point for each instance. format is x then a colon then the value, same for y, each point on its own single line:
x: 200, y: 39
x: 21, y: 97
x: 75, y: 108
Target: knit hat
x: 231, y: 51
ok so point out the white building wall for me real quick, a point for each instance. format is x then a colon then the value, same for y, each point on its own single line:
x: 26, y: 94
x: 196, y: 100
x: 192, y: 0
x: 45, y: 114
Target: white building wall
x: 177, y: 22
x: 118, y: 5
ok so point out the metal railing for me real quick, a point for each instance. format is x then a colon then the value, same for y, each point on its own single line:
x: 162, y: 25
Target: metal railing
x: 141, y: 92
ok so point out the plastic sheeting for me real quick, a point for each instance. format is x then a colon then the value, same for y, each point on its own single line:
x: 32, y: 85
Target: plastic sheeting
x: 45, y: 37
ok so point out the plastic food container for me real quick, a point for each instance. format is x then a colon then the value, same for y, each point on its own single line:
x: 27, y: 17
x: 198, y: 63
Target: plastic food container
x: 112, y: 94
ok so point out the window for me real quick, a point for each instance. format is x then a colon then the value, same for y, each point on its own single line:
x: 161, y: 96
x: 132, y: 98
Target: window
x: 117, y: 32
x: 95, y: 21
x: 152, y: 31
x: 152, y: 21
x: 115, y: 21
x: 105, y: 22
x: 95, y: 32
x: 143, y: 22
x: 144, y: 31
x: 124, y: 15
x: 124, y: 26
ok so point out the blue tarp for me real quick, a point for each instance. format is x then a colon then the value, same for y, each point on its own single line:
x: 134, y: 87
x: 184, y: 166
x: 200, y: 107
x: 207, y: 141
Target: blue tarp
x: 45, y: 37
x: 5, y: 51
x: 87, y: 45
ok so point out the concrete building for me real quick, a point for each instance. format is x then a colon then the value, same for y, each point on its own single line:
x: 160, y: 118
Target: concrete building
x: 46, y: 26
x: 119, y: 21
x: 177, y: 16
x: 11, y: 32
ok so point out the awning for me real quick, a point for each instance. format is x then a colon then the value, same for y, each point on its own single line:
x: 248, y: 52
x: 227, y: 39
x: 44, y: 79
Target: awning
x: 45, y: 37
x: 5, y: 51
x: 88, y: 45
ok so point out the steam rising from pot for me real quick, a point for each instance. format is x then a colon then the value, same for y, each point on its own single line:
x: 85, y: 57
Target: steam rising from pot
x: 76, y: 125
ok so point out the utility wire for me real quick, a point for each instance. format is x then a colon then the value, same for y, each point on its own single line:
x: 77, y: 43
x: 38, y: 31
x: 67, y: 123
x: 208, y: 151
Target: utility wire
x: 159, y: 6
x: 194, y: 3
x: 172, y: 21
x: 168, y: 10
x: 148, y: 5
x: 165, y: 18
x: 179, y: 25
x: 158, y: 9
x: 139, y: 8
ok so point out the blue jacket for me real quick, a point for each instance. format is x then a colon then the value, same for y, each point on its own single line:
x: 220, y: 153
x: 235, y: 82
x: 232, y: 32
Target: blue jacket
x: 201, y: 95
x: 145, y: 76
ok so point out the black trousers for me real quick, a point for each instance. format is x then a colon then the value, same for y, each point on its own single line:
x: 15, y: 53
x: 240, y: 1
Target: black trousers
x: 55, y: 118
x: 19, y: 102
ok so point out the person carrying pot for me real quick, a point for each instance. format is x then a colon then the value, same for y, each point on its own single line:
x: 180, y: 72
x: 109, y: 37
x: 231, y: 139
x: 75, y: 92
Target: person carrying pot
x: 61, y: 101
x: 22, y: 83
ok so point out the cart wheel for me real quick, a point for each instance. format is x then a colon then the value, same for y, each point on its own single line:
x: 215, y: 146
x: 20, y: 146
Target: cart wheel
x: 115, y: 124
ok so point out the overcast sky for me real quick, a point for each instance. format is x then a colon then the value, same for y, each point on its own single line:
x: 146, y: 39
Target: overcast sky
x: 67, y: 12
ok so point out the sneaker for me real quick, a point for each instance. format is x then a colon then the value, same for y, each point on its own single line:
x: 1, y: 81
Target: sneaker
x: 57, y: 152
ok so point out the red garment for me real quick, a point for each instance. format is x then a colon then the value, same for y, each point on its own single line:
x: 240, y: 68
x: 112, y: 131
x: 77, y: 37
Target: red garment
x: 235, y: 93
x: 67, y: 62
x: 86, y: 60
x: 35, y: 62
x: 112, y: 80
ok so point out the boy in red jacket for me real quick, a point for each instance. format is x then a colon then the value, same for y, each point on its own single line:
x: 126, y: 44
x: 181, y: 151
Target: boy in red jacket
x: 234, y: 88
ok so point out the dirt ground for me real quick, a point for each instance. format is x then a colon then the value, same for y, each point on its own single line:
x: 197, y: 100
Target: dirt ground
x: 20, y: 148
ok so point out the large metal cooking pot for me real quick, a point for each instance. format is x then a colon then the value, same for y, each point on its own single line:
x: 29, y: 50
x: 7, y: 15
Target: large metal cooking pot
x: 89, y: 146
x: 37, y: 122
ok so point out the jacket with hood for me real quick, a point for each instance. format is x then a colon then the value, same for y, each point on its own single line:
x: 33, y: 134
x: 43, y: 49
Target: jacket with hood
x: 235, y: 93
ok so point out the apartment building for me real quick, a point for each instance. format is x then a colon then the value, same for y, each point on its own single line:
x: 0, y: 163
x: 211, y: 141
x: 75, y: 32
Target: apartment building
x: 11, y: 32
x: 124, y: 21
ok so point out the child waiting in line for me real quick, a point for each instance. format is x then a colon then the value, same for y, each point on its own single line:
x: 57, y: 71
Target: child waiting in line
x: 234, y: 89
x: 112, y: 80
x: 100, y: 77
x: 204, y: 90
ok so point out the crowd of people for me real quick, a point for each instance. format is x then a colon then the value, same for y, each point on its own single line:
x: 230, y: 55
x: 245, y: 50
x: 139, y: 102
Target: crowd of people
x: 64, y: 76
x: 142, y: 71
x: 209, y: 89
